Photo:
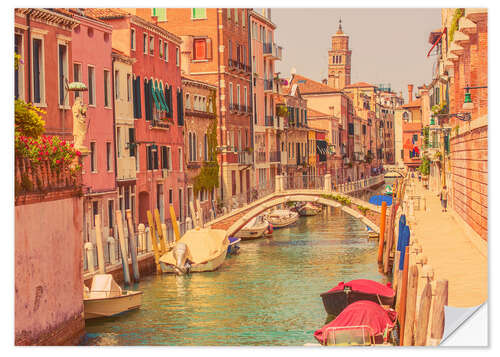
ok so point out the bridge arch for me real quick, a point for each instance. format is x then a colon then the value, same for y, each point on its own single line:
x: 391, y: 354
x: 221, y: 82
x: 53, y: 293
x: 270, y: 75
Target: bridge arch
x: 264, y: 206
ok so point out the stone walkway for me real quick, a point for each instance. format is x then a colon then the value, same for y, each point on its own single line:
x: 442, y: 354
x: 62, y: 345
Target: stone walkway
x: 453, y: 251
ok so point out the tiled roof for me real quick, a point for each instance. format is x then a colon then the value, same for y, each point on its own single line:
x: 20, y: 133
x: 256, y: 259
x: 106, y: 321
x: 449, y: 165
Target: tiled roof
x: 360, y: 84
x: 105, y: 13
x: 307, y: 85
x: 415, y: 103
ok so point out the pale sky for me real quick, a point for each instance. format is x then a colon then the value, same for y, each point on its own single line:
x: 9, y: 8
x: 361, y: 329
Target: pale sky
x: 388, y: 45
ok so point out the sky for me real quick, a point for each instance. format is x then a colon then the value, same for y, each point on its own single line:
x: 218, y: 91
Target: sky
x: 388, y: 45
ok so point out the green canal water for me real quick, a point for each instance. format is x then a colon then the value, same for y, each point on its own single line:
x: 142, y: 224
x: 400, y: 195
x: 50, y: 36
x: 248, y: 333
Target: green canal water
x: 267, y: 295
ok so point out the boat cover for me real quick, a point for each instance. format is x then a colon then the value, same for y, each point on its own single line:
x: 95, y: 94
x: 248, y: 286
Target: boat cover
x: 366, y: 286
x: 104, y: 286
x: 378, y: 199
x: 204, y: 244
x: 234, y: 240
x: 282, y: 213
x: 361, y: 313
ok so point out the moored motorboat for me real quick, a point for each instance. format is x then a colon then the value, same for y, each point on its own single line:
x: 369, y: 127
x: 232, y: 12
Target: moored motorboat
x: 371, y: 233
x: 344, y: 294
x: 309, y: 209
x: 106, y: 298
x: 198, y: 250
x: 388, y: 190
x: 362, y: 323
x: 234, y: 246
x: 282, y: 218
x: 255, y: 228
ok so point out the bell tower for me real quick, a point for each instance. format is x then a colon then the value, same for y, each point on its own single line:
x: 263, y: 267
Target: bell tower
x: 339, y: 60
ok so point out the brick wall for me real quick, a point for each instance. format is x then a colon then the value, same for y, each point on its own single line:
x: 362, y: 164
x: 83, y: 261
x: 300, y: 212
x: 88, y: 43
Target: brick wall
x: 469, y: 165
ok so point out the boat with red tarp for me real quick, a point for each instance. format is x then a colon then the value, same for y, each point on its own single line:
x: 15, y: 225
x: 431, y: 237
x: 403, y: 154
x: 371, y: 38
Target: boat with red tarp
x: 361, y: 323
x: 336, y: 299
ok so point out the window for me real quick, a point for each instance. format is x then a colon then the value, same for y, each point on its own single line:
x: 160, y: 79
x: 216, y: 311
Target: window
x: 118, y: 141
x: 238, y: 94
x: 161, y: 13
x: 93, y: 161
x: 233, y: 182
x: 129, y: 87
x: 152, y: 157
x: 91, y: 85
x: 117, y: 84
x: 165, y: 51
x: 202, y: 49
x: 243, y: 18
x: 77, y: 76
x: 108, y: 156
x: 19, y: 73
x: 199, y: 13
x: 145, y: 43
x: 63, y: 74
x: 38, y: 69
x: 132, y: 39
x: 228, y: 11
x: 111, y: 208
x: 106, y: 88
x: 95, y: 211
x: 188, y: 102
x: 160, y: 47
x: 205, y: 147
x: 151, y: 45
x: 181, y: 164
x: 236, y: 16
x: 246, y: 99
x: 230, y: 50
x: 177, y: 58
x: 230, y: 94
x: 170, y: 196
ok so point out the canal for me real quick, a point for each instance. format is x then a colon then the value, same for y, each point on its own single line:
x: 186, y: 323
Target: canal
x: 266, y: 295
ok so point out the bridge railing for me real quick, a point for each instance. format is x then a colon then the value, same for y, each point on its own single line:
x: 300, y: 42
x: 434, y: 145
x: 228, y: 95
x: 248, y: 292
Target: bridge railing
x: 358, y: 185
x: 303, y: 182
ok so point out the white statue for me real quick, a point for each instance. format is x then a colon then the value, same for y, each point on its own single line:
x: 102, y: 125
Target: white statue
x: 80, y: 123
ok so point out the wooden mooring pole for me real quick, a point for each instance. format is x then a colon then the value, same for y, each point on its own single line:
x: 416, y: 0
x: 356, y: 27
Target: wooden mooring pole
x: 382, y: 232
x: 411, y: 305
x: 161, y: 237
x: 154, y: 241
x: 123, y: 247
x: 423, y: 315
x: 100, y: 247
x: 132, y: 245
x: 440, y: 300
x: 174, y: 223
x: 402, y: 298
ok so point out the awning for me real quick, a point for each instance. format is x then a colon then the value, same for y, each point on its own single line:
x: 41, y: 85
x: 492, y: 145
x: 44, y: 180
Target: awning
x: 164, y: 98
x: 437, y: 41
x: 153, y: 92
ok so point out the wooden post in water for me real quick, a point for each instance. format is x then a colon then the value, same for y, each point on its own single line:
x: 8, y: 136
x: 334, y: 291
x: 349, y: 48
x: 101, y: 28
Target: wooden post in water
x: 123, y: 247
x: 193, y: 214
x: 100, y: 247
x: 390, y: 238
x: 159, y: 232
x: 174, y: 223
x: 395, y: 272
x: 402, y: 299
x: 423, y: 315
x: 382, y: 232
x: 154, y: 242
x: 411, y: 305
x: 132, y: 244
x: 437, y: 319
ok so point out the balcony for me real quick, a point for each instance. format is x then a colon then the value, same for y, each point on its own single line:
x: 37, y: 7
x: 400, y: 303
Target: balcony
x: 125, y: 168
x: 269, y: 120
x: 283, y: 157
x: 234, y: 107
x: 273, y: 50
x: 260, y: 156
x: 268, y: 85
x: 245, y: 158
x: 274, y: 156
x: 279, y: 123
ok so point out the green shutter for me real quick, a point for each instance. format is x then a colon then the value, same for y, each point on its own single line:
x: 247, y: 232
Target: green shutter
x: 163, y: 98
x: 160, y: 97
x: 153, y: 92
x: 162, y: 14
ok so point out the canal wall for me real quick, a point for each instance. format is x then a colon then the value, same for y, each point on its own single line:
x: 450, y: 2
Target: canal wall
x: 48, y: 269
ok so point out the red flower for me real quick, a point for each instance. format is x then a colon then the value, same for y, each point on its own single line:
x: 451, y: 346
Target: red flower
x: 78, y: 153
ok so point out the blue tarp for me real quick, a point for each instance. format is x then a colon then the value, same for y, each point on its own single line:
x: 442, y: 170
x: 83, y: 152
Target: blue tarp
x: 405, y: 241
x: 378, y: 199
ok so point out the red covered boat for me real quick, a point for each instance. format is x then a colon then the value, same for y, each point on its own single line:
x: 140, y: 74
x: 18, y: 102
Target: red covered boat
x: 336, y: 299
x: 361, y: 323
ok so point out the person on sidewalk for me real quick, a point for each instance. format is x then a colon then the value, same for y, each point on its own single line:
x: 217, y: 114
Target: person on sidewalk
x: 444, y: 199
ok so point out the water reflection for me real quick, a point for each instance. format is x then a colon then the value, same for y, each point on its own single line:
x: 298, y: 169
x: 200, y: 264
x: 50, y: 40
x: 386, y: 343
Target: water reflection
x: 266, y: 295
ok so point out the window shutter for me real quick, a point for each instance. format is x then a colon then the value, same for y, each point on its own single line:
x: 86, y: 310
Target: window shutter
x: 131, y: 140
x: 138, y: 100
x: 146, y: 99
x: 148, y: 157
x: 134, y: 96
x: 150, y: 95
x: 209, y: 48
x: 155, y: 161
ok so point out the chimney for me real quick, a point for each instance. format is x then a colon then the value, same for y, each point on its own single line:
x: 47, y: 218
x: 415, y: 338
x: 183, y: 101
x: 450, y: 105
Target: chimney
x: 410, y: 93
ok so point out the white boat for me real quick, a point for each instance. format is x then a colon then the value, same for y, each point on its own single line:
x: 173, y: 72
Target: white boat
x: 282, y: 218
x: 198, y: 250
x: 106, y: 298
x: 309, y: 209
x: 255, y: 228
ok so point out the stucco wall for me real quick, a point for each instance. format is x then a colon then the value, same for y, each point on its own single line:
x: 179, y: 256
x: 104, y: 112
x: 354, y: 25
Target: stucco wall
x: 48, y: 272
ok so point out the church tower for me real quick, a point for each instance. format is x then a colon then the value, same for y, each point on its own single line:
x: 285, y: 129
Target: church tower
x: 339, y: 60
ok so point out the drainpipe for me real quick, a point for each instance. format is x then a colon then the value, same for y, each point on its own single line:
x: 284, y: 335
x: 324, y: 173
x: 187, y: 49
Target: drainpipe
x: 251, y: 84
x: 28, y: 24
x: 220, y: 101
x: 114, y: 118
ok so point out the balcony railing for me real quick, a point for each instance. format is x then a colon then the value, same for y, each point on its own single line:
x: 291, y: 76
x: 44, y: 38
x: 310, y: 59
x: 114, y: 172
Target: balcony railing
x: 245, y: 158
x: 273, y: 50
x: 274, y: 156
x: 261, y: 156
x: 269, y: 120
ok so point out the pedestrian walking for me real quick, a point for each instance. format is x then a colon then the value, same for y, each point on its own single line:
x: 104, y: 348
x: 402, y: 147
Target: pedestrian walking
x: 444, y: 199
x: 419, y: 177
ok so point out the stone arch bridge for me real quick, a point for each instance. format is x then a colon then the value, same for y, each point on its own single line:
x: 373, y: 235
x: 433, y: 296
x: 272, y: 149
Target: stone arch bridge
x: 321, y: 192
